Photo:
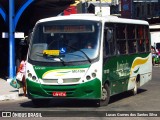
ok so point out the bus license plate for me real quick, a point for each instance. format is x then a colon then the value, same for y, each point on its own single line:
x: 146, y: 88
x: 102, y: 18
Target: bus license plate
x: 62, y: 94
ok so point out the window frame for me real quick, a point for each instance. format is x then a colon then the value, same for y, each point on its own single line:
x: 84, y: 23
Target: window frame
x: 136, y: 38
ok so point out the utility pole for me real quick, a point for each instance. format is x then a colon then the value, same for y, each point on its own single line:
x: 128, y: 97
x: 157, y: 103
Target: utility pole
x: 11, y: 40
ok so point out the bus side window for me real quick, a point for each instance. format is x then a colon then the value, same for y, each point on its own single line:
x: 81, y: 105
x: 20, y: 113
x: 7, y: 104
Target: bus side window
x: 121, y: 38
x: 147, y: 38
x: 121, y: 47
x: 131, y: 37
x: 132, y: 46
x: 131, y: 31
x: 109, y: 41
x: 106, y: 50
x: 105, y: 45
x: 120, y: 31
x: 140, y: 38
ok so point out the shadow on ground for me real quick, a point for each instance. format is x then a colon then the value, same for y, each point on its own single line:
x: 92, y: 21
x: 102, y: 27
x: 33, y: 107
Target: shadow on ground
x: 73, y: 103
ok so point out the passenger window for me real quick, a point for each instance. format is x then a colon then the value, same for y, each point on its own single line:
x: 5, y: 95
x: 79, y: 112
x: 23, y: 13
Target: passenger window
x: 131, y: 38
x: 109, y: 40
x: 141, y: 45
x: 140, y: 32
x: 120, y: 31
x: 132, y: 46
x: 147, y: 38
x: 121, y: 47
x: 121, y: 38
x: 140, y: 38
x: 130, y: 31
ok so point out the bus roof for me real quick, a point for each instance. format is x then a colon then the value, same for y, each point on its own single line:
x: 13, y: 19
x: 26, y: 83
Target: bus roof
x: 109, y: 18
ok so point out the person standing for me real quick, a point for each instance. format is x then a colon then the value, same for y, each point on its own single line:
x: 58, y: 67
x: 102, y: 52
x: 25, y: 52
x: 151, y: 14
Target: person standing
x: 22, y: 69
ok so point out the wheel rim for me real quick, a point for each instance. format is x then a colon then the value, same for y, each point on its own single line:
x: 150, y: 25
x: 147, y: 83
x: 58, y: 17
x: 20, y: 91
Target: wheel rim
x: 104, y: 94
x: 135, y: 89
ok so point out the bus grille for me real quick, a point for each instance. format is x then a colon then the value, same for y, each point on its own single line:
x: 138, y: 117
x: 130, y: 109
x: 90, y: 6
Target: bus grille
x: 55, y: 88
x: 65, y: 80
x: 49, y: 80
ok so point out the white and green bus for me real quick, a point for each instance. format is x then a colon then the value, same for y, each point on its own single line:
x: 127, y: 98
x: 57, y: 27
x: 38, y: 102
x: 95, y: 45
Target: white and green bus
x: 87, y: 57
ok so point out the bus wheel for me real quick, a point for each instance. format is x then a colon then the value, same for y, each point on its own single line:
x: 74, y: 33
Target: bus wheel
x: 135, y: 89
x: 40, y: 102
x: 105, y: 96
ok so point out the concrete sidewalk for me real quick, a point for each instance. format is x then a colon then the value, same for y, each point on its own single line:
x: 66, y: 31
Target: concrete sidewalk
x: 7, y: 92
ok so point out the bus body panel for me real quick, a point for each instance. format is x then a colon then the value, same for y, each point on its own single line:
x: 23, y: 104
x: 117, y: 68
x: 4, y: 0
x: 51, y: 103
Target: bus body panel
x: 121, y: 71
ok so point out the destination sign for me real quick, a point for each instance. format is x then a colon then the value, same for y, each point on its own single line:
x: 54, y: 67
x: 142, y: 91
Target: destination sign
x: 68, y: 28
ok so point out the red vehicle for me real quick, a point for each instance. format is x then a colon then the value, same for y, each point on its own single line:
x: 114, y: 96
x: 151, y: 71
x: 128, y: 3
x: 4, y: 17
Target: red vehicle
x: 70, y: 10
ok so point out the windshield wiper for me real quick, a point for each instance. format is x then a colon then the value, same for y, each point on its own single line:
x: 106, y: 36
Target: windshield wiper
x: 80, y: 51
x: 62, y: 61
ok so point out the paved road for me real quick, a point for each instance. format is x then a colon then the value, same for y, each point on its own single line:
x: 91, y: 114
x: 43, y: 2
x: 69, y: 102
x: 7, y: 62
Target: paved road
x: 147, y: 99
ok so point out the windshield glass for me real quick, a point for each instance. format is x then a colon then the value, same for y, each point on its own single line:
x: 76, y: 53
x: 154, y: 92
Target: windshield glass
x: 65, y: 41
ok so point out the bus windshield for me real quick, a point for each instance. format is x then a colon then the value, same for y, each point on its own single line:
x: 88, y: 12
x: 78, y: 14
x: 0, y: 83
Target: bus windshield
x: 65, y: 41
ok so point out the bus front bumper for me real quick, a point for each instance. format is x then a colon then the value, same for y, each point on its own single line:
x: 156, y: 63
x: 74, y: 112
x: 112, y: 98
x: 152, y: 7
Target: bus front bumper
x: 87, y: 90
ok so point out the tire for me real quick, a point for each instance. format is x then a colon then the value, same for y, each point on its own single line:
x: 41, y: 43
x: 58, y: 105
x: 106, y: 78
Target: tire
x: 135, y: 89
x: 40, y: 102
x: 105, y: 96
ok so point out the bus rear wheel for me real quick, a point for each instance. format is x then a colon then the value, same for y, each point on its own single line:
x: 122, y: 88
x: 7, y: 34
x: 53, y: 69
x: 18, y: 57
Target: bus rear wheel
x: 105, y: 95
x: 135, y: 89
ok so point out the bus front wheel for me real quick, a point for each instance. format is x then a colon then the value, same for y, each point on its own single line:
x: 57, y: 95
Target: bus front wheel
x: 105, y: 95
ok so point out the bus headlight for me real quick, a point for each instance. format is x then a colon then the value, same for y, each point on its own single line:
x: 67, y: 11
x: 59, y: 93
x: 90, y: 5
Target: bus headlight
x: 27, y: 71
x: 88, y: 77
x: 93, y: 75
x: 34, y: 78
x: 29, y: 75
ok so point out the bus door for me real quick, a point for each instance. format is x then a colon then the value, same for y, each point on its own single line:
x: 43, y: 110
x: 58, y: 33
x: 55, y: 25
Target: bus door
x: 116, y: 68
x: 109, y: 58
x: 122, y: 61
